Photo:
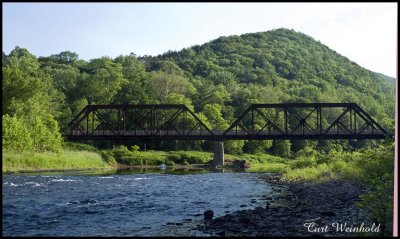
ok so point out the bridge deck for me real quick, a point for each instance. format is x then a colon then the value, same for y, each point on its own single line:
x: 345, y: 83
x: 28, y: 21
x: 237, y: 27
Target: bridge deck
x: 219, y: 135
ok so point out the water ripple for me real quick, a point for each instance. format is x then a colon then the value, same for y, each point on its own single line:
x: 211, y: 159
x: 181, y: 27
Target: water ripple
x: 119, y: 205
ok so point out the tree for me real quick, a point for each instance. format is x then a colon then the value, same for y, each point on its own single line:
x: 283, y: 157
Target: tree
x: 135, y: 89
x: 30, y: 98
x: 214, y: 116
x: 234, y: 146
x: 22, y: 59
x: 282, y: 148
x: 17, y: 86
x: 223, y: 77
x: 163, y: 84
x: 257, y: 146
x: 15, y: 135
x: 104, y: 79
x: 65, y: 57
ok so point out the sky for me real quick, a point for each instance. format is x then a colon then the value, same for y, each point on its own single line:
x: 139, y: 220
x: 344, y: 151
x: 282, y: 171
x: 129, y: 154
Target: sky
x: 366, y: 33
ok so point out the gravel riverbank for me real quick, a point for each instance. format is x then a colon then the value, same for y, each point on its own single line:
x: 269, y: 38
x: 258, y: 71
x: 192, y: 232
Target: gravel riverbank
x: 297, y: 209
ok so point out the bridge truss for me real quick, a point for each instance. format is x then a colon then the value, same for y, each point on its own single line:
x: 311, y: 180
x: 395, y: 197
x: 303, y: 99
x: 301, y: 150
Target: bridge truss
x: 258, y: 122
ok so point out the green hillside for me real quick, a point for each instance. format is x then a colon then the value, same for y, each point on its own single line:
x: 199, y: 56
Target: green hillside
x: 284, y: 65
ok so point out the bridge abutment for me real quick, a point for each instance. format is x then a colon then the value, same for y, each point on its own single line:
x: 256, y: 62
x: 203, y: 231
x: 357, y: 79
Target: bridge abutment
x: 218, y: 160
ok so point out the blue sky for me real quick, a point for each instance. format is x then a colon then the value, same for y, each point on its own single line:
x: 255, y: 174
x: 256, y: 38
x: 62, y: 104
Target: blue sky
x: 364, y: 32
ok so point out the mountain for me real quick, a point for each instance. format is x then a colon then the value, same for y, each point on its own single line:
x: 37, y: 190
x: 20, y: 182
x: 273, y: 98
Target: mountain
x: 292, y: 66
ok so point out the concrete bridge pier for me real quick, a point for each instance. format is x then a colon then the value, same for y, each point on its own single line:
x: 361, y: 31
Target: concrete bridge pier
x: 218, y: 161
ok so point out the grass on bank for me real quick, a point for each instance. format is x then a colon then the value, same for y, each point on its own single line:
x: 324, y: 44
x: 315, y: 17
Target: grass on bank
x: 48, y: 161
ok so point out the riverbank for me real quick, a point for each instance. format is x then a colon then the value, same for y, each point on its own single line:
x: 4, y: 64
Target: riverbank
x: 296, y: 204
x: 78, y: 157
x: 64, y: 160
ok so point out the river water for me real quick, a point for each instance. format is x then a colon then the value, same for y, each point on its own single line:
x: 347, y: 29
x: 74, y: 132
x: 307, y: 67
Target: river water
x: 122, y: 203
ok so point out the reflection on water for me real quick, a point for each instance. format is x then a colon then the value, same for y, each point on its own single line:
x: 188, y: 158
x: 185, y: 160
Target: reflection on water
x: 132, y: 202
x: 125, y: 171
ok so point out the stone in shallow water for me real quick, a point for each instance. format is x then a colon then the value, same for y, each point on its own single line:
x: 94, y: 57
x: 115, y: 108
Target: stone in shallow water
x: 245, y: 220
x: 267, y: 206
x: 208, y: 215
x: 328, y: 214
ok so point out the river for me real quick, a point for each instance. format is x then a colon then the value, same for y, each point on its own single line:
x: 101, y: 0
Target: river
x: 123, y: 203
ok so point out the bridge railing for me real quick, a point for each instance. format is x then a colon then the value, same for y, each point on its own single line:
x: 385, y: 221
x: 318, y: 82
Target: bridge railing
x: 219, y: 132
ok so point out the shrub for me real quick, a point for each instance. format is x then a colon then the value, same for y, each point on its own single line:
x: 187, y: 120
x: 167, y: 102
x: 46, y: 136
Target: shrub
x: 124, y: 156
x: 16, y: 136
x: 304, y: 158
x: 38, y: 134
x: 303, y: 163
x: 151, y: 158
x: 169, y: 163
x: 282, y: 148
x: 79, y: 146
x: 378, y: 176
x: 191, y: 157
x: 175, y: 157
x: 45, y: 134
x: 108, y: 157
x: 319, y: 173
x: 135, y: 148
x: 338, y: 165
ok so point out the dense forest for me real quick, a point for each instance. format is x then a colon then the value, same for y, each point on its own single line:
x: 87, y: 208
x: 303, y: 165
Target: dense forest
x: 219, y: 80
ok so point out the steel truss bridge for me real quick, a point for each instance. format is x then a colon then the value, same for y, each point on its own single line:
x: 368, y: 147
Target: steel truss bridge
x: 288, y: 121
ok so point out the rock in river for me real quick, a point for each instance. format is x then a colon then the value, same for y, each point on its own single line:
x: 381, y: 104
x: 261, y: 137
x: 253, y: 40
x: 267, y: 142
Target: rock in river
x: 208, y: 215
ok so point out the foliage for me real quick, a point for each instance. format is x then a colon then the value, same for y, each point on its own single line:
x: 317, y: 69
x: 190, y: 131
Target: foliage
x: 108, y: 157
x: 189, y: 157
x: 374, y: 167
x: 123, y: 156
x: 269, y: 167
x: 378, y: 176
x: 304, y: 158
x: 16, y: 136
x: 78, y: 146
x: 45, y: 134
x: 234, y: 146
x: 134, y: 148
x: 282, y: 148
x: 20, y: 135
x: 257, y: 146
x: 319, y: 173
x: 31, y: 99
